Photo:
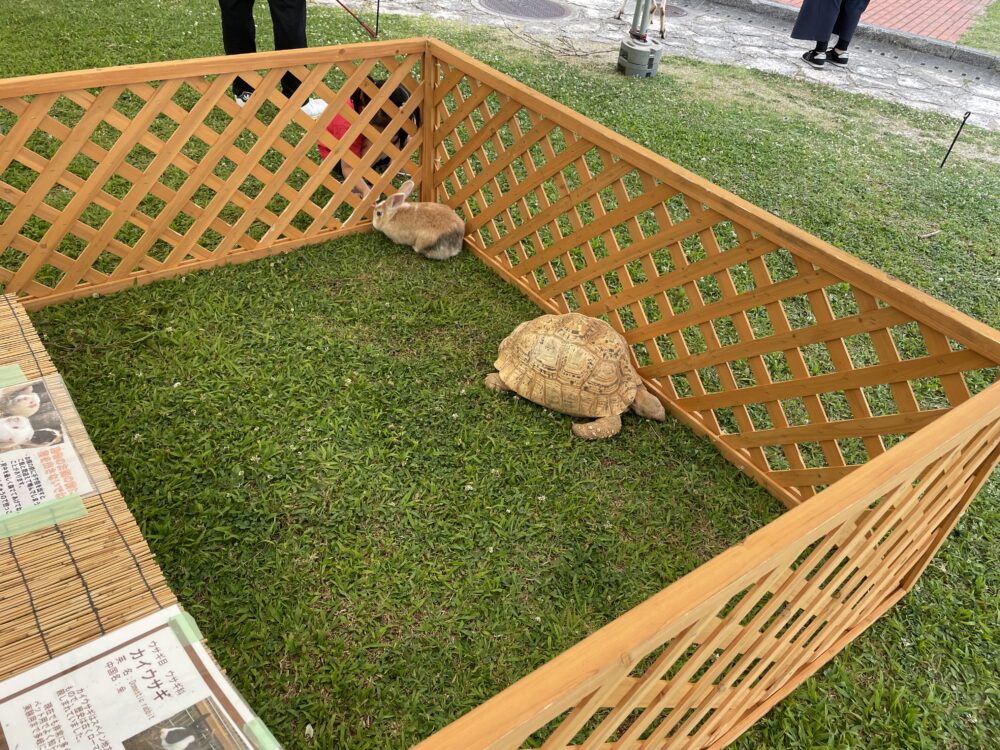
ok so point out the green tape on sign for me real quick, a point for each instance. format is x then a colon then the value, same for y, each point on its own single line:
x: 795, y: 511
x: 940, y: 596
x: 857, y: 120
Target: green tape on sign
x: 11, y: 375
x: 260, y: 735
x: 26, y: 520
x: 186, y: 629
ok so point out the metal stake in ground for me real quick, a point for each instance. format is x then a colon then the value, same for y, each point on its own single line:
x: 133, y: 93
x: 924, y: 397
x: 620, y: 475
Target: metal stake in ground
x: 955, y: 139
x: 639, y: 56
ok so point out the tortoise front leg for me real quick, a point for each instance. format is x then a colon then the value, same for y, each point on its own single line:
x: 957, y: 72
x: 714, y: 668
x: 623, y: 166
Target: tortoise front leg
x: 495, y: 383
x: 604, y: 427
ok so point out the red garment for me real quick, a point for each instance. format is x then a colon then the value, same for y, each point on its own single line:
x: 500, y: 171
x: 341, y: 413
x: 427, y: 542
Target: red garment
x: 338, y: 128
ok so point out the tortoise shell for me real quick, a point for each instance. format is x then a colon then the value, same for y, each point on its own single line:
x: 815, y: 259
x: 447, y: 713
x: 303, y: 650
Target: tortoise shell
x: 571, y: 363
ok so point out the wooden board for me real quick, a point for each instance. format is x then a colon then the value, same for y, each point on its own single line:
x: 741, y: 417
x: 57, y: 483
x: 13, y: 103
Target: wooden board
x: 63, y: 585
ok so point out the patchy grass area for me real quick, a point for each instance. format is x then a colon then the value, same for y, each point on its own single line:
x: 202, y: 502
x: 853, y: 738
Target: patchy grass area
x: 377, y: 623
x: 985, y: 30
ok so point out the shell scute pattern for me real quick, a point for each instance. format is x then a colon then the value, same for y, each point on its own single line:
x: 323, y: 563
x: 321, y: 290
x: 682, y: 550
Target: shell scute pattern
x: 570, y: 363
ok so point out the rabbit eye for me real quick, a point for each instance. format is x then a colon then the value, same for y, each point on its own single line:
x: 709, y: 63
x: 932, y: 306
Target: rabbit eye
x: 379, y: 212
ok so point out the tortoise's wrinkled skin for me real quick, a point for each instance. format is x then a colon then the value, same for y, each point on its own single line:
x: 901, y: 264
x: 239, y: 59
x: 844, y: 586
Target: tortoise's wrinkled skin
x: 576, y: 365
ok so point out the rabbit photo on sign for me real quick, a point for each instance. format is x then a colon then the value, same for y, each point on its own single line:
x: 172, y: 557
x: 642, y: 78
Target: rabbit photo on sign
x: 431, y: 229
x: 20, y: 401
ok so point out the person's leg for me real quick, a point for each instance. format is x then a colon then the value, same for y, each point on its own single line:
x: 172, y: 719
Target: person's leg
x: 238, y: 35
x: 815, y: 19
x: 814, y: 22
x: 289, y: 19
x: 838, y: 55
x: 844, y: 27
x: 817, y: 56
x: 847, y: 21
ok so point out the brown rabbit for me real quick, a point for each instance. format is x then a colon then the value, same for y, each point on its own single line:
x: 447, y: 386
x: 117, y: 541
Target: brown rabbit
x: 432, y: 229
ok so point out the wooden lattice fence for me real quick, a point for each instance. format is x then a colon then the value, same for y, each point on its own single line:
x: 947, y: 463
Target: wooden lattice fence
x: 122, y: 176
x: 805, y: 367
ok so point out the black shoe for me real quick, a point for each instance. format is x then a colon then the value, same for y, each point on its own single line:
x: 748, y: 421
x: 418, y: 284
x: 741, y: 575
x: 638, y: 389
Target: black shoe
x: 814, y: 58
x: 836, y: 58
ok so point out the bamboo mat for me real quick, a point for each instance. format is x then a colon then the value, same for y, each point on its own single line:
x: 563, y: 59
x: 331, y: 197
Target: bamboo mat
x: 65, y: 584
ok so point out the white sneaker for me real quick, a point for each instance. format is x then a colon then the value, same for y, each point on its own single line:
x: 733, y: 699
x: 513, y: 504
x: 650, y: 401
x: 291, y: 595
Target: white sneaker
x: 242, y: 99
x: 314, y: 108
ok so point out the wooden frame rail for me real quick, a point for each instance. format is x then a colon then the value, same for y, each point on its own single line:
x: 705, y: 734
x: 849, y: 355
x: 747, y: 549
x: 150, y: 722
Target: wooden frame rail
x: 806, y: 367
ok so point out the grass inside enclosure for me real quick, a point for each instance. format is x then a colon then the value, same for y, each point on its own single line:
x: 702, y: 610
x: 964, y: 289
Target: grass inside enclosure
x: 372, y: 541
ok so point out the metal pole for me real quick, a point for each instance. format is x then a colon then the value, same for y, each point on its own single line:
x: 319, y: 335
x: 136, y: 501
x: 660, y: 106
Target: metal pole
x: 640, y: 20
x: 955, y: 139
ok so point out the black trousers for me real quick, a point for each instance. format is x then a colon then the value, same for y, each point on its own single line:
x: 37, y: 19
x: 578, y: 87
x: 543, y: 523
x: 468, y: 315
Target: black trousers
x: 239, y: 35
x: 818, y: 20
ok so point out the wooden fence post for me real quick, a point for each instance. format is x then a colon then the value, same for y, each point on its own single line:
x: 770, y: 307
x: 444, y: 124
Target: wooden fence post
x: 427, y: 121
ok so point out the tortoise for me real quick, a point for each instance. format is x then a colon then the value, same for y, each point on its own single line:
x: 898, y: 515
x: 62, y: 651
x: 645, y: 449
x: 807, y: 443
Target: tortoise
x: 576, y: 365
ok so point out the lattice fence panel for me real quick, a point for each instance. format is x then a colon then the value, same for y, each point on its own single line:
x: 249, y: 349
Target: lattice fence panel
x: 800, y: 371
x: 108, y: 184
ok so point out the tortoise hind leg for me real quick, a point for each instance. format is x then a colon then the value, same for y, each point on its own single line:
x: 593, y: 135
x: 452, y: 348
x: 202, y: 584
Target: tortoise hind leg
x: 604, y: 427
x: 647, y: 405
x: 495, y: 383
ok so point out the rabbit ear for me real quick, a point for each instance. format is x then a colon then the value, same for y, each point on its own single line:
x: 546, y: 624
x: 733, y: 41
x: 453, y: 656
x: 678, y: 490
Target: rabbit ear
x: 396, y: 200
x: 406, y: 189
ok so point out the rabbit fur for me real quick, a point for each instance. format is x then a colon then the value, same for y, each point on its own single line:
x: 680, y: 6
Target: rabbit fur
x: 14, y: 432
x: 431, y: 229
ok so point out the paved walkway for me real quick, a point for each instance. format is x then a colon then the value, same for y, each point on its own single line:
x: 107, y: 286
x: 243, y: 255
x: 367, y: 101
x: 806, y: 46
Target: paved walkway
x: 725, y: 34
x: 939, y: 19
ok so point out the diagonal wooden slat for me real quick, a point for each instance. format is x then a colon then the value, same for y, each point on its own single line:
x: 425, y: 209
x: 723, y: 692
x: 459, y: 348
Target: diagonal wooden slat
x: 235, y: 179
x: 846, y: 428
x: 759, y: 296
x: 275, y: 231
x: 863, y: 377
x: 125, y: 170
x: 27, y: 121
x: 782, y: 342
x: 637, y: 250
x: 46, y: 180
x: 571, y: 153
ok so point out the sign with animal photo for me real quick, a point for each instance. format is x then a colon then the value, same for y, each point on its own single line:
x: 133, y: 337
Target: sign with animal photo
x: 38, y: 463
x: 151, y: 685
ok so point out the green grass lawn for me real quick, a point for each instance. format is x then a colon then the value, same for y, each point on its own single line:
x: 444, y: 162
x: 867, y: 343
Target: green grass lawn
x: 372, y: 541
x: 985, y: 30
x: 296, y: 436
